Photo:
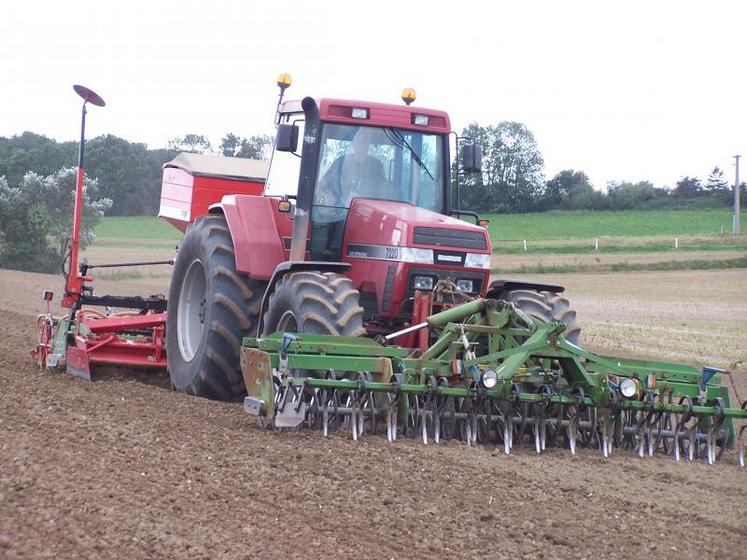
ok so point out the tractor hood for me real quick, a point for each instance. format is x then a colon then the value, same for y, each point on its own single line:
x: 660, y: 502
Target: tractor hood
x: 399, y: 224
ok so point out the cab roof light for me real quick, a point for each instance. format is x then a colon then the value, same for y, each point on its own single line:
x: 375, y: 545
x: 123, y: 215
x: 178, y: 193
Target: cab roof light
x: 359, y: 113
x: 284, y: 81
x: 420, y: 120
x: 408, y: 95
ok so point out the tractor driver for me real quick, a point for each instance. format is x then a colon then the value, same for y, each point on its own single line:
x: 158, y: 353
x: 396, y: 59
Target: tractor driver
x: 357, y: 174
x: 353, y: 175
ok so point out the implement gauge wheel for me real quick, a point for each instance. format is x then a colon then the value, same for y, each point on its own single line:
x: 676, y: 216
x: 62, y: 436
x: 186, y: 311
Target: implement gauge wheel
x: 211, y: 308
x: 547, y: 307
x: 315, y: 303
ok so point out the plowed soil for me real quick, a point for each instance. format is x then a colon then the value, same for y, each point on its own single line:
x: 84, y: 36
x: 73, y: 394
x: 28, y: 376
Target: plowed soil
x: 125, y: 468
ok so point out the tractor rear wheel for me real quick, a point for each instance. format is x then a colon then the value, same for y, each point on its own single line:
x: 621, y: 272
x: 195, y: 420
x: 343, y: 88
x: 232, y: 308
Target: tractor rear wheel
x: 211, y: 308
x: 547, y: 307
x: 315, y: 303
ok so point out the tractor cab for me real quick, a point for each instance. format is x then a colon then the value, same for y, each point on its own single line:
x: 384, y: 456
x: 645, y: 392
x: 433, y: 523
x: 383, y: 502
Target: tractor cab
x: 361, y: 150
x: 368, y: 185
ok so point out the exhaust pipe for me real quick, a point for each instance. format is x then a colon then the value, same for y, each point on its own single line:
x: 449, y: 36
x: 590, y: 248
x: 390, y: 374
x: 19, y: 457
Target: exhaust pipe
x: 306, y: 180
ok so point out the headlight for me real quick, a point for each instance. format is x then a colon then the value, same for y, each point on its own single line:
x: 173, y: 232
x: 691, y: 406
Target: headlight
x: 421, y: 120
x: 489, y: 378
x: 413, y: 255
x: 477, y: 260
x: 465, y: 286
x: 359, y: 113
x: 628, y: 388
x: 423, y: 283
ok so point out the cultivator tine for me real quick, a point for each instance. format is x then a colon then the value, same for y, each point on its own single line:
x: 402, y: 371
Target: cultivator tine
x: 572, y: 430
x: 574, y: 417
x: 435, y: 416
x: 354, y: 422
x: 329, y: 397
x: 391, y: 416
x: 714, y: 426
x: 650, y: 439
x: 508, y: 433
x: 325, y: 418
x: 691, y: 444
x: 741, y: 437
x: 607, y: 429
x: 424, y: 426
x: 466, y: 423
x: 325, y: 422
x: 640, y: 436
x: 680, y: 424
x: 538, y: 426
x: 473, y: 422
x: 447, y: 417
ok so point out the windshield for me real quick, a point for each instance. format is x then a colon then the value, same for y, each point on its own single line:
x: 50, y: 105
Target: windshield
x: 384, y: 163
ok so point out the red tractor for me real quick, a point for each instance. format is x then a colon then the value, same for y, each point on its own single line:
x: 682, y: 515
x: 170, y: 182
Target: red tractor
x: 353, y: 230
x: 353, y: 234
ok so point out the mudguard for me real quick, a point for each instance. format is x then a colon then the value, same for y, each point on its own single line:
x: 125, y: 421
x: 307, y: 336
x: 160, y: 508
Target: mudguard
x: 257, y: 233
x: 497, y: 287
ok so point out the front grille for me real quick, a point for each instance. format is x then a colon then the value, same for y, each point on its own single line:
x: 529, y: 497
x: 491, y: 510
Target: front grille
x: 445, y: 237
x: 388, y: 288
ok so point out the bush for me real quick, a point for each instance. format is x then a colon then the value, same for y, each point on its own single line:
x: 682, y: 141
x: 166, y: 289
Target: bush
x: 36, y: 219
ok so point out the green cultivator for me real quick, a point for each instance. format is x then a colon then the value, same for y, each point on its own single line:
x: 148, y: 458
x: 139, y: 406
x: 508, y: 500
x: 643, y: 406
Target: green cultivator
x: 493, y: 374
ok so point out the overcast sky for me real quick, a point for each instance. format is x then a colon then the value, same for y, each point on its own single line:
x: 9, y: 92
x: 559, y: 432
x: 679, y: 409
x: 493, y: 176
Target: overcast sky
x: 621, y: 90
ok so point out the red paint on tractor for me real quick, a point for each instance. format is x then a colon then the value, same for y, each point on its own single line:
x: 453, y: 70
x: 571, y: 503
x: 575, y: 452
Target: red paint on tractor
x: 384, y: 114
x: 379, y: 114
x: 391, y: 224
x: 257, y: 230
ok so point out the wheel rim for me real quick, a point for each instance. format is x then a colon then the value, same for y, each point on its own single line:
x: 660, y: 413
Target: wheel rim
x: 190, y: 317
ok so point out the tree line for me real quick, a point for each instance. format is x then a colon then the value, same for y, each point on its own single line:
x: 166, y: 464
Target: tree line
x: 512, y: 181
x: 37, y: 189
x: 128, y: 173
x: 37, y: 185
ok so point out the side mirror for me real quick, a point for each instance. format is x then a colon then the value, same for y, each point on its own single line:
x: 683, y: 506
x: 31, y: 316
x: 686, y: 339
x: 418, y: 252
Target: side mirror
x: 472, y: 158
x: 287, y: 138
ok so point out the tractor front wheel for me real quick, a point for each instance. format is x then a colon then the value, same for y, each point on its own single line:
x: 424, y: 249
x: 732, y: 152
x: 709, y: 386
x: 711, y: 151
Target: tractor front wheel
x: 211, y: 308
x: 315, y: 303
x: 546, y: 307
